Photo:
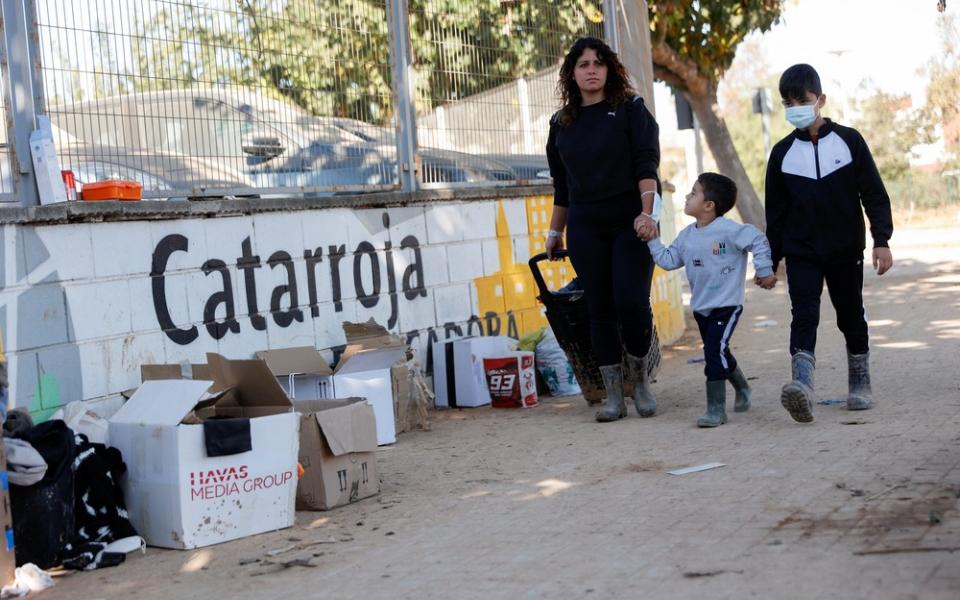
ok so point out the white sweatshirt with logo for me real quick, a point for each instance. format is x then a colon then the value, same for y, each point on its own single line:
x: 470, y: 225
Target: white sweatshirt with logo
x: 715, y: 257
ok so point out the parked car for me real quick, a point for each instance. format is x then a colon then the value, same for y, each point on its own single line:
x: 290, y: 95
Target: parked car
x: 164, y: 175
x: 278, y: 145
x: 436, y: 165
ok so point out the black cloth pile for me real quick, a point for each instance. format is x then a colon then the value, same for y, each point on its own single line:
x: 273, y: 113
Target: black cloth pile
x: 77, y: 509
x: 99, y: 509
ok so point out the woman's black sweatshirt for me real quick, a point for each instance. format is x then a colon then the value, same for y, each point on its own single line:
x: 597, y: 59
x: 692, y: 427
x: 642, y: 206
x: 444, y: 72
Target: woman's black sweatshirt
x: 605, y: 152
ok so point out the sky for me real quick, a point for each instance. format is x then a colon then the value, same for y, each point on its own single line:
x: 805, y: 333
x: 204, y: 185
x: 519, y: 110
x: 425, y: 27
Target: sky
x: 849, y: 40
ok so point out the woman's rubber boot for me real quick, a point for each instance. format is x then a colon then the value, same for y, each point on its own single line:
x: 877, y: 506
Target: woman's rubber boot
x: 615, y: 406
x: 860, y: 396
x: 740, y: 385
x: 643, y: 398
x: 716, y: 405
x: 798, y: 396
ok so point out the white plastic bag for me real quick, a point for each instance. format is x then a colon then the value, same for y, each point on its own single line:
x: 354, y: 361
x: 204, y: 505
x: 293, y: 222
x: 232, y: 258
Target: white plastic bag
x: 81, y: 419
x: 553, y: 366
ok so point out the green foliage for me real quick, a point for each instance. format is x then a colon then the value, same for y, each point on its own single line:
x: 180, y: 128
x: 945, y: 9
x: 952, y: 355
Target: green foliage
x: 891, y: 129
x: 708, y: 32
x: 333, y: 58
x: 943, y: 88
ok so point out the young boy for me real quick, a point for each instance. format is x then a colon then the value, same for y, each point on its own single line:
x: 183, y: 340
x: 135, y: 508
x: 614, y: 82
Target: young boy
x: 817, y: 179
x: 714, y: 251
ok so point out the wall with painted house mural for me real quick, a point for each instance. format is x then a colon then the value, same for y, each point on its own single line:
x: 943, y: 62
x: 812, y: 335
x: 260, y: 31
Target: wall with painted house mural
x: 84, y: 304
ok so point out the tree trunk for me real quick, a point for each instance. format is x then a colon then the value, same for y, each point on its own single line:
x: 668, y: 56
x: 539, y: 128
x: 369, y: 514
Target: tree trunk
x: 704, y: 104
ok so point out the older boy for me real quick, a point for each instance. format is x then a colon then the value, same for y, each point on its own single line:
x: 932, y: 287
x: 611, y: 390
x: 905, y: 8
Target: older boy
x: 817, y: 179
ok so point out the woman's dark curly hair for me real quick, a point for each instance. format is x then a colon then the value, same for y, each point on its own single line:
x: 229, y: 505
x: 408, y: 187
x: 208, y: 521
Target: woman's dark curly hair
x: 616, y: 91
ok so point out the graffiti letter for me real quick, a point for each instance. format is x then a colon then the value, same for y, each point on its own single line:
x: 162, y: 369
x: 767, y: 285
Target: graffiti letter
x: 391, y: 279
x: 313, y: 258
x: 366, y: 249
x: 219, y: 330
x: 281, y: 317
x: 493, y: 323
x: 336, y: 253
x: 411, y: 291
x: 247, y: 263
x: 161, y: 254
x: 472, y: 322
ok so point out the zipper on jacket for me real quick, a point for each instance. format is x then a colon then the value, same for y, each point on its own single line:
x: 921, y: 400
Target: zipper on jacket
x: 816, y: 158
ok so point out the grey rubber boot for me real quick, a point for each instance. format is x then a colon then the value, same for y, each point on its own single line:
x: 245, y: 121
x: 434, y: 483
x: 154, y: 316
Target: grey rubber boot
x: 798, y: 395
x: 643, y: 398
x: 739, y: 383
x: 716, y: 405
x: 615, y: 406
x: 860, y: 396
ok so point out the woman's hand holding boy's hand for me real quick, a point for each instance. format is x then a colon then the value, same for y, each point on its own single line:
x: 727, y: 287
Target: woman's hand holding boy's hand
x: 645, y: 227
x: 767, y: 282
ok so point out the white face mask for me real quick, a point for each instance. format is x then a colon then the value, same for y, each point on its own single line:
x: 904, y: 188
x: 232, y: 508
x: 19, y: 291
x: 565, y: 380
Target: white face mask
x: 802, y: 116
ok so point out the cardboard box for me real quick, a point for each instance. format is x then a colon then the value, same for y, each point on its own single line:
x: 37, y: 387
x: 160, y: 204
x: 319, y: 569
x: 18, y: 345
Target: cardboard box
x: 338, y: 443
x: 8, y: 561
x: 458, y: 377
x: 302, y: 372
x: 180, y: 497
x: 512, y: 380
x: 179, y: 371
x: 371, y: 374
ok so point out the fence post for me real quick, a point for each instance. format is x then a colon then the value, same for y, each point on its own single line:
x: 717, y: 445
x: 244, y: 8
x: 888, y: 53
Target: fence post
x: 401, y: 77
x: 23, y: 91
x: 610, y: 24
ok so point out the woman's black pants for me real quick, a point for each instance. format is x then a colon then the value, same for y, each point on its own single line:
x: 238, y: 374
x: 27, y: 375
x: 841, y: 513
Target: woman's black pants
x: 615, y: 270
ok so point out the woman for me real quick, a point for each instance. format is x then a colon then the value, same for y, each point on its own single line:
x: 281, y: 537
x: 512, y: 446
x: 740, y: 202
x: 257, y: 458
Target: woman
x: 604, y: 151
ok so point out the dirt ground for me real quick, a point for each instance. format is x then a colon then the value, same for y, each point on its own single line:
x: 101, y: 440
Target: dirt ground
x: 546, y: 503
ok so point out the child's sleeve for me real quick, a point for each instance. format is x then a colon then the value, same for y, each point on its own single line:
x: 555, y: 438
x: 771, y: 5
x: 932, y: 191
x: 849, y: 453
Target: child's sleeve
x: 776, y: 200
x: 873, y: 196
x: 561, y: 196
x: 750, y: 239
x: 667, y: 258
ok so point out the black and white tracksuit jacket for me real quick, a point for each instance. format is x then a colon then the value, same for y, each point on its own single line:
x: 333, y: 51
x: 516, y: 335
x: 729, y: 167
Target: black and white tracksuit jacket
x: 814, y: 192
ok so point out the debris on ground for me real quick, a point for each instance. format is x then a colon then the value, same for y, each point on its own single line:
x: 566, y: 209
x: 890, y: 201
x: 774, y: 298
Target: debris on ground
x: 696, y: 469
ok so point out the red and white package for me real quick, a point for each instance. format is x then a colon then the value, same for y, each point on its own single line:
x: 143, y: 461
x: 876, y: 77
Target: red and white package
x: 511, y: 380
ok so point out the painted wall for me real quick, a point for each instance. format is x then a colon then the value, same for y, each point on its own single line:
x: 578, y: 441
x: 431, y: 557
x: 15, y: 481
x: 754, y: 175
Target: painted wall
x: 83, y: 305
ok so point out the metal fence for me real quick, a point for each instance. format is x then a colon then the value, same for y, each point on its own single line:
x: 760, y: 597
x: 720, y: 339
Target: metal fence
x: 198, y: 98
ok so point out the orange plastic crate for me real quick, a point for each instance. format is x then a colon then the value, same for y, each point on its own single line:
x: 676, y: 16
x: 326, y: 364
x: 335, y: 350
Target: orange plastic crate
x: 112, y: 189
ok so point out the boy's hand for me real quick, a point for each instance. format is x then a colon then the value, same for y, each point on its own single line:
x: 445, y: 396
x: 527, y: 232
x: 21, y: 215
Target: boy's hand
x: 767, y: 282
x: 645, y: 227
x: 882, y: 260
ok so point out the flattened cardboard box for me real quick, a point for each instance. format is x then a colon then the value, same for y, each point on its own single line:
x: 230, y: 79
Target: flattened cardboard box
x: 338, y: 443
x: 178, y: 496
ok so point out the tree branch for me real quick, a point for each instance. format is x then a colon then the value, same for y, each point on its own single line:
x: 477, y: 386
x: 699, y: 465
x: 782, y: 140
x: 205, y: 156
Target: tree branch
x: 668, y: 59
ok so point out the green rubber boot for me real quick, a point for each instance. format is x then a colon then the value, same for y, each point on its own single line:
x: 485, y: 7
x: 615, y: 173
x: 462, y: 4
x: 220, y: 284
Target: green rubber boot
x: 615, y: 406
x: 643, y: 398
x: 860, y: 395
x: 798, y: 395
x: 716, y: 405
x: 740, y: 385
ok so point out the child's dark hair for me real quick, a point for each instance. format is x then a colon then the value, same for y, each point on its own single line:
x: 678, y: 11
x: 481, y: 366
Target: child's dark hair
x: 797, y: 81
x: 719, y: 189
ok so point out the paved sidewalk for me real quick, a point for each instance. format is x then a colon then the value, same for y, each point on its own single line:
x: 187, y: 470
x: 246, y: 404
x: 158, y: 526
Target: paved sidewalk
x: 545, y: 503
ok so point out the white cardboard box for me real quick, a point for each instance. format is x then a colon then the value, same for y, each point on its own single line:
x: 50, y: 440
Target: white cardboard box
x: 369, y: 374
x: 302, y: 372
x: 178, y: 496
x: 458, y: 376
